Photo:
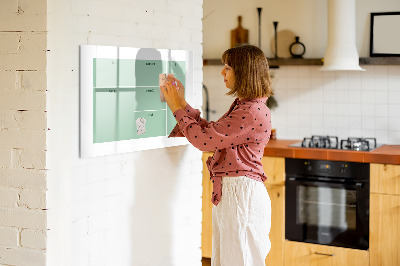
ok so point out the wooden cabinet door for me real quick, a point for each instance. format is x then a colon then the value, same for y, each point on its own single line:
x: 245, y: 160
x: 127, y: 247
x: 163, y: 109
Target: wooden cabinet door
x: 277, y: 233
x: 384, y: 230
x: 274, y: 168
x: 304, y: 254
x: 206, y: 226
x: 385, y: 178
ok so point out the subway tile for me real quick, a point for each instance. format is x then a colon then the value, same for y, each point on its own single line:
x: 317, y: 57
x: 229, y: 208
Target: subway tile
x: 292, y: 82
x: 380, y: 97
x: 328, y: 74
x: 329, y: 122
x: 394, y: 110
x: 382, y: 136
x: 394, y: 136
x: 317, y: 120
x: 394, y: 123
x: 317, y: 131
x: 342, y: 133
x: 355, y: 132
x: 368, y: 122
x: 303, y: 82
x: 355, y: 109
x: 329, y: 94
x: 381, y: 110
x: 342, y: 81
x: 355, y: 122
x: 342, y: 109
x: 354, y: 83
x: 394, y: 97
x: 291, y: 71
x: 380, y: 71
x: 367, y: 133
x: 305, y: 95
x: 316, y: 72
x: 342, y: 96
x: 381, y: 84
x: 394, y: 71
x: 317, y: 107
x: 316, y: 83
x: 394, y: 83
x: 367, y: 96
x: 304, y: 72
x: 342, y: 122
x: 367, y: 83
x: 317, y: 95
x: 355, y: 96
x: 329, y: 109
x: 367, y: 110
x: 381, y: 123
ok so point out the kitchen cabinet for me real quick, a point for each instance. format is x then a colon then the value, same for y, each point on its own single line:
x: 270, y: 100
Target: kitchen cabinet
x: 305, y: 254
x: 385, y: 215
x: 274, y: 168
x: 206, y: 225
x: 385, y: 178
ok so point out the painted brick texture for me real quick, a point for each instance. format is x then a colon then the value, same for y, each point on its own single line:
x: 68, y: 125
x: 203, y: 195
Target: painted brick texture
x: 141, y: 208
x: 23, y: 126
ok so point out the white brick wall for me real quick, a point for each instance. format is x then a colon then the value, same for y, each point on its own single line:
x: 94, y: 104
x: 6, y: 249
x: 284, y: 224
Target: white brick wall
x: 23, y: 132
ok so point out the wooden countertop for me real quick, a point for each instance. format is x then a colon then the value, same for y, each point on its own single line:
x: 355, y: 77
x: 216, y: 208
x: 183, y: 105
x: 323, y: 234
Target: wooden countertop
x: 389, y: 154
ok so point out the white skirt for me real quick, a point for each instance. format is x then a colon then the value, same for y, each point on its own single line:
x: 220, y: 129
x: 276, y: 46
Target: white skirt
x: 241, y: 223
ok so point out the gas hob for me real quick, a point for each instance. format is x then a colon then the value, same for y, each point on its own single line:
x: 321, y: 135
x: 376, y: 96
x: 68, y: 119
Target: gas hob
x: 332, y: 142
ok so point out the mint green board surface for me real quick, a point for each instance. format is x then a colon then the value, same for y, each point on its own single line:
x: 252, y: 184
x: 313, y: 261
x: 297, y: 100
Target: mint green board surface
x: 125, y: 90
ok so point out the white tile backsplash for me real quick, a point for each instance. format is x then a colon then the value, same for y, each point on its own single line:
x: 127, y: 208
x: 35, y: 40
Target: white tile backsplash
x: 343, y: 103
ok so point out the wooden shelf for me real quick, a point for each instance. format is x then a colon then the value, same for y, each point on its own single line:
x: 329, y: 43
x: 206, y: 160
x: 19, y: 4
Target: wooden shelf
x: 380, y: 61
x: 273, y: 63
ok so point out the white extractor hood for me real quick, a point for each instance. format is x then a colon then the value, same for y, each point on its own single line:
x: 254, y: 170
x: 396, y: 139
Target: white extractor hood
x: 341, y: 51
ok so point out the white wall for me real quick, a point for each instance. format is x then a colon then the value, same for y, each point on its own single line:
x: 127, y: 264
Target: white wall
x: 141, y: 208
x: 306, y: 19
x: 311, y: 102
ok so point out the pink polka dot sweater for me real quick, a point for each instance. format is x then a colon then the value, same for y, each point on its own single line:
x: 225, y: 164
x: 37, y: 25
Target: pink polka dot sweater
x: 238, y: 139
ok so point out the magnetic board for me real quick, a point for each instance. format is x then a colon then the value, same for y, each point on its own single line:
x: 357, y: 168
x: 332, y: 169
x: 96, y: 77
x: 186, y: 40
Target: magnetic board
x: 121, y: 103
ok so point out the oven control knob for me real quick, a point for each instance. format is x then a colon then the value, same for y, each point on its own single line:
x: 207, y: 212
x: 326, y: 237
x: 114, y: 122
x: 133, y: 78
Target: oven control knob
x: 308, y: 166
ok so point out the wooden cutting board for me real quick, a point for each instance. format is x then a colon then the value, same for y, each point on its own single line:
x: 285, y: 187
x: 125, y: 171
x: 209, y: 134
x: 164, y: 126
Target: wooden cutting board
x: 239, y: 35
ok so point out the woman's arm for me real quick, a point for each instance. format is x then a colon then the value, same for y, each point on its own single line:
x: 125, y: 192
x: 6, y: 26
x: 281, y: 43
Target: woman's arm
x: 239, y: 127
x: 174, y: 93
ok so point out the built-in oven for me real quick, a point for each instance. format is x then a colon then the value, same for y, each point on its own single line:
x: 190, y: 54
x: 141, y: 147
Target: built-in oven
x: 327, y: 202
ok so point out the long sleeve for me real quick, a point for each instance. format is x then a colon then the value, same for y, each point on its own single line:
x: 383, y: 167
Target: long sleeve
x: 193, y: 113
x: 231, y: 130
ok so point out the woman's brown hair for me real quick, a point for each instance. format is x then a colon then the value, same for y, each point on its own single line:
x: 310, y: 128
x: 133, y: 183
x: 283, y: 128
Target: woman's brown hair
x: 250, y: 66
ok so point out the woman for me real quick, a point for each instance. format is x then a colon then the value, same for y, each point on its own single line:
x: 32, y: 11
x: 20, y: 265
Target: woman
x: 242, y: 208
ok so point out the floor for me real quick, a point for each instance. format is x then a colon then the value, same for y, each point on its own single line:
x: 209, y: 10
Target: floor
x: 206, y: 261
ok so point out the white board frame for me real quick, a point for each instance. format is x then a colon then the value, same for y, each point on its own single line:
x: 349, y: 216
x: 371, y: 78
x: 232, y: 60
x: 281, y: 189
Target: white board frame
x: 87, y: 146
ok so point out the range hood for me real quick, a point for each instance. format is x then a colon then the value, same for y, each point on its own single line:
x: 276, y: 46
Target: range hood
x: 341, y: 51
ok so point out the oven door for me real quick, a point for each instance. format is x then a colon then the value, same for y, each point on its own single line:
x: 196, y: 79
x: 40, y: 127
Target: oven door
x: 327, y: 213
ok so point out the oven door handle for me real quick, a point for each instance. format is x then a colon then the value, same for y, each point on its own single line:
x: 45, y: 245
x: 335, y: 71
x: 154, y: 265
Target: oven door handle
x: 357, y: 185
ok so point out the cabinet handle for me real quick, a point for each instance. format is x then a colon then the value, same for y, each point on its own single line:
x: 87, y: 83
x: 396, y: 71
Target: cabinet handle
x: 324, y: 254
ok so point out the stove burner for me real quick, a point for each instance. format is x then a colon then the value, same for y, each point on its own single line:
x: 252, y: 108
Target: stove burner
x: 358, y: 144
x: 328, y: 142
x: 332, y: 142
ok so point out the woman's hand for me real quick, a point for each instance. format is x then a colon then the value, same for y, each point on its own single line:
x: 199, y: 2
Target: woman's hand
x: 173, y: 90
x: 181, y: 92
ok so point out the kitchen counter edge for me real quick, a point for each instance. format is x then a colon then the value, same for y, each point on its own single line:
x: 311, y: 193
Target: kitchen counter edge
x: 385, y: 154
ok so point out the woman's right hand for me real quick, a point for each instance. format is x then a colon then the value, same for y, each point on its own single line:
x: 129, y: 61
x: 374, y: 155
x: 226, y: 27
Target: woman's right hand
x: 181, y: 91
